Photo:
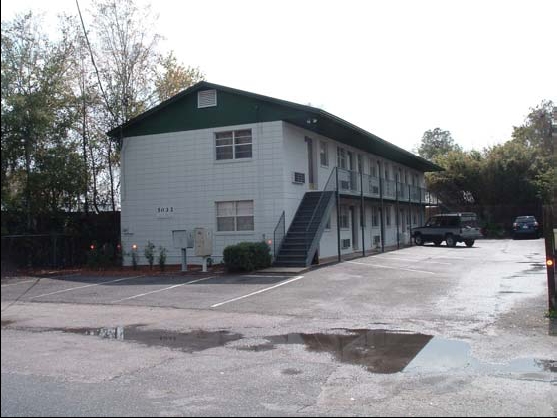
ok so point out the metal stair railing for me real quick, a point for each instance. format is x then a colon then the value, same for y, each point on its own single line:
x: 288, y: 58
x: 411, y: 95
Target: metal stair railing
x: 330, y: 186
x: 280, y: 230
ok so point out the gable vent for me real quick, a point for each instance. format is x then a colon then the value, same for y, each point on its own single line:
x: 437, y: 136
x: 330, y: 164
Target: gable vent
x: 206, y: 98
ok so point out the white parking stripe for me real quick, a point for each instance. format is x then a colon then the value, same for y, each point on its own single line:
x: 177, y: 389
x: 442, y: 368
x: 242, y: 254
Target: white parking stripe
x: 161, y: 290
x: 87, y: 285
x: 26, y: 281
x: 409, y: 259
x: 259, y: 291
x: 390, y: 267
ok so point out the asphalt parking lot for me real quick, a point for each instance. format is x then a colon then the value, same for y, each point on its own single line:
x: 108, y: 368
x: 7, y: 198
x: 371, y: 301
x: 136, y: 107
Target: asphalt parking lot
x: 180, y: 291
x: 433, y: 331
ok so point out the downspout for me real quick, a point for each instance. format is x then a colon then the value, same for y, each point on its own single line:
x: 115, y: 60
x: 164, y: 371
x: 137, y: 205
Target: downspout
x: 338, y: 215
x: 362, y: 213
x: 382, y: 211
x: 397, y: 217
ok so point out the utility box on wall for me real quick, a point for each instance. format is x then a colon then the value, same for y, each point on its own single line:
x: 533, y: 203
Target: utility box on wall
x: 203, y: 242
x: 182, y: 238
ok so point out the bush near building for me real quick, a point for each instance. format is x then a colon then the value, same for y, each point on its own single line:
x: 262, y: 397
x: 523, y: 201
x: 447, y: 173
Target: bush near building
x: 247, y: 256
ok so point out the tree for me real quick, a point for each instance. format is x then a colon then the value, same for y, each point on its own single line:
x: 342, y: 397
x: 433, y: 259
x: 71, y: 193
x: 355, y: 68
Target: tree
x: 59, y: 180
x: 461, y: 182
x: 435, y: 143
x: 535, y: 135
x: 36, y: 103
x: 132, y: 72
x: 173, y: 77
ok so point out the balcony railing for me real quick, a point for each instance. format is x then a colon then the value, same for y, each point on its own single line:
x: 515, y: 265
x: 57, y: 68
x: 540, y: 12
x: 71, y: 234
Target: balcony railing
x: 356, y: 184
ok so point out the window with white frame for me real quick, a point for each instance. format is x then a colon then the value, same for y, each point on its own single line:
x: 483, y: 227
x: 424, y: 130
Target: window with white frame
x: 375, y: 216
x: 232, y: 145
x: 323, y: 153
x: 360, y: 164
x: 344, y: 217
x: 373, y: 167
x: 341, y: 158
x: 235, y: 216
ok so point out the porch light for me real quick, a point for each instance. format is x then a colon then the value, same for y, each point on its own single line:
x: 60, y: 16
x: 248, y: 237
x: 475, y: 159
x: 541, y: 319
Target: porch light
x: 549, y: 262
x: 134, y: 247
x: 269, y: 242
x: 92, y: 246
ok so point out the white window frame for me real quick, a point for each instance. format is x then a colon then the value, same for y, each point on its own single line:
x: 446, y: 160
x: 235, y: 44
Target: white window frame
x: 375, y: 217
x: 342, y: 159
x: 234, y: 144
x: 344, y: 218
x: 323, y: 153
x: 235, y: 216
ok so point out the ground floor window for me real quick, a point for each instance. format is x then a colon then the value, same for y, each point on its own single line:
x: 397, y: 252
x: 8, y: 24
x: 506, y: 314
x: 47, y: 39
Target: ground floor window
x: 235, y: 215
x: 375, y: 216
x: 344, y: 217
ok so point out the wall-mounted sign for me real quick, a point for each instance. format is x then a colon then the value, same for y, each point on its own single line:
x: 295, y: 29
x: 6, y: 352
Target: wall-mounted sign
x: 164, y: 211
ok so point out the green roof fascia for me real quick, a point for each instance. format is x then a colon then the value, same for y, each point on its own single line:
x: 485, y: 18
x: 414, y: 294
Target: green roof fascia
x: 242, y: 107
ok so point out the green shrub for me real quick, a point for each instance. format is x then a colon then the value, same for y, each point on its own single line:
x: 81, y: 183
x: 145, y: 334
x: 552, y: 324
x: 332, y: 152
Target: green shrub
x: 150, y: 253
x: 247, y: 256
x: 162, y: 257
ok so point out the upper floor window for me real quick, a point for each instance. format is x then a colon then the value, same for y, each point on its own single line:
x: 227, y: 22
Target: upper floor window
x: 360, y: 164
x: 341, y: 158
x: 231, y: 145
x: 372, y: 167
x: 235, y: 215
x: 323, y: 153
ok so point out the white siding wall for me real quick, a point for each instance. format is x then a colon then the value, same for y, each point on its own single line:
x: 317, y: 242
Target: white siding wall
x: 295, y: 152
x: 178, y: 170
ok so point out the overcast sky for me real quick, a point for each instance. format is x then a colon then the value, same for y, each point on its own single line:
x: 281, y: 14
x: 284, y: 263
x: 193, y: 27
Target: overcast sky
x: 394, y: 68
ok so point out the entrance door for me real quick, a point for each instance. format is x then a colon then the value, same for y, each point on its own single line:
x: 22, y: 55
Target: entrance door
x: 311, y: 170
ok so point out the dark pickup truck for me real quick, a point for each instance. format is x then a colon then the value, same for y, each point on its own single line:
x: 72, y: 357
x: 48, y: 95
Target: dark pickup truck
x: 449, y: 227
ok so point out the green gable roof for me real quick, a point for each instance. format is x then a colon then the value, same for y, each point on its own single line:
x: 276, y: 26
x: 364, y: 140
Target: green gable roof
x: 237, y: 107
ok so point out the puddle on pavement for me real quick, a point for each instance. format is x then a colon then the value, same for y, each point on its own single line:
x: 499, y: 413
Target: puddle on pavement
x: 383, y: 351
x: 441, y: 355
x: 379, y: 351
x: 189, y: 342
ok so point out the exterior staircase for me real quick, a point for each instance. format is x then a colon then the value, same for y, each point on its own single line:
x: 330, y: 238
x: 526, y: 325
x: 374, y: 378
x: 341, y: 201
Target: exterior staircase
x: 302, y: 239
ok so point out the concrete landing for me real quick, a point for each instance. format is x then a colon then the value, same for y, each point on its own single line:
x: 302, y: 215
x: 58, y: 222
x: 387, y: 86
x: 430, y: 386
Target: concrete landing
x: 289, y: 270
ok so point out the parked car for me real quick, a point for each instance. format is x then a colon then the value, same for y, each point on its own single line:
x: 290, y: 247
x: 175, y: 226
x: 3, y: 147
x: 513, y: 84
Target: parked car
x: 449, y: 227
x: 526, y: 226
